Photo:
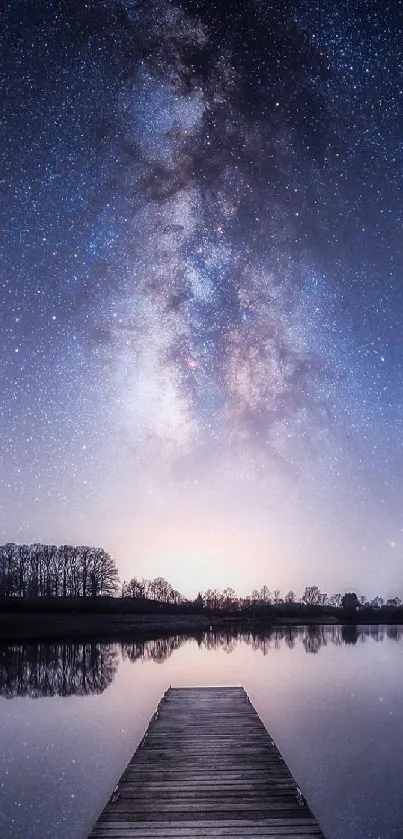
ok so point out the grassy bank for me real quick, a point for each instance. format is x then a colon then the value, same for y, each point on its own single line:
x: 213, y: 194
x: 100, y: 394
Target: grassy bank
x: 39, y: 626
x: 123, y: 618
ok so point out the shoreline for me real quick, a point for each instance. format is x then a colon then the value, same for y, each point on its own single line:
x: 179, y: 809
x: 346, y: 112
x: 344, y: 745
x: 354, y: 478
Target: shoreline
x: 39, y: 627
x: 35, y: 626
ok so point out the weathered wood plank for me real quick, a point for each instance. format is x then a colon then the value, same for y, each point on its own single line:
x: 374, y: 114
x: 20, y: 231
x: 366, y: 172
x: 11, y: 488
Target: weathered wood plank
x: 206, y: 767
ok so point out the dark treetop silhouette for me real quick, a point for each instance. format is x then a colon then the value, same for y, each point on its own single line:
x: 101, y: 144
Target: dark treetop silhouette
x: 83, y: 578
x: 59, y: 571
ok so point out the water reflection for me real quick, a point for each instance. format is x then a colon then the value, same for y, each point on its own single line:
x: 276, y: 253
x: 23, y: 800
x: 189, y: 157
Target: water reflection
x: 73, y: 668
x: 312, y: 638
x: 56, y: 669
x: 80, y: 669
x: 158, y: 649
x: 329, y: 695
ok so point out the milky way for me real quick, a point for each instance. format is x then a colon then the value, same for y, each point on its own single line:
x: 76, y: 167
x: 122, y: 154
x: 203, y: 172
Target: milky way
x: 202, y: 297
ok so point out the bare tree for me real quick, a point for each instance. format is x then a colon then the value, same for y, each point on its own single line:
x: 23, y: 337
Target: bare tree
x: 228, y: 597
x: 134, y: 588
x: 394, y: 602
x: 377, y: 602
x: 335, y: 600
x: 265, y: 594
x: 311, y: 596
x: 9, y: 570
x: 103, y: 575
x: 46, y: 570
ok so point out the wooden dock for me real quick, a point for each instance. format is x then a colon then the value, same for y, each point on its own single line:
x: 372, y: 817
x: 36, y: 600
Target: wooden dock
x: 206, y: 767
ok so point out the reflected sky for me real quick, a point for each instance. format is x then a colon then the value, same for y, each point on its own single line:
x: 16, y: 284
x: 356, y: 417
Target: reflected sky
x: 71, y: 716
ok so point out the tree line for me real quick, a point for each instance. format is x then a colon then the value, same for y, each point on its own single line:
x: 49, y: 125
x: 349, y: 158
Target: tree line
x: 56, y: 571
x: 156, y: 589
x: 312, y: 596
x: 75, y: 571
x: 227, y: 600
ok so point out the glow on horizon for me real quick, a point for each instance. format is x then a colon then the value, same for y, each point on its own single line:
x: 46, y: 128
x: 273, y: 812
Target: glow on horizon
x: 201, y: 355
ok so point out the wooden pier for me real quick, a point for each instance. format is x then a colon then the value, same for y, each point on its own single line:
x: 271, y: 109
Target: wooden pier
x: 206, y: 767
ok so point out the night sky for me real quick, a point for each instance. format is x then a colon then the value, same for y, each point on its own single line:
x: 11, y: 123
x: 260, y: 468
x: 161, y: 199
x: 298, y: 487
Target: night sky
x: 202, y: 297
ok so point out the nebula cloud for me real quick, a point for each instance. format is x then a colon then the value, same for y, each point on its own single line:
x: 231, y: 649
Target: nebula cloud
x: 199, y: 322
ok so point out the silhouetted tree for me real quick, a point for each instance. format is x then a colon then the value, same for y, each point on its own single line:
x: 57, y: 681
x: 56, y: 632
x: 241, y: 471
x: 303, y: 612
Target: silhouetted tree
x: 265, y: 594
x: 215, y: 598
x: 228, y: 598
x: 394, y: 602
x: 133, y: 588
x: 47, y: 570
x: 377, y: 603
x: 158, y: 589
x: 198, y: 601
x: 312, y: 596
x: 335, y: 600
x: 350, y: 600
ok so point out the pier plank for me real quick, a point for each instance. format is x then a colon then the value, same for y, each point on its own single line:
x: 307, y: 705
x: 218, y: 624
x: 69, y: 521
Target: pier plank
x: 206, y: 767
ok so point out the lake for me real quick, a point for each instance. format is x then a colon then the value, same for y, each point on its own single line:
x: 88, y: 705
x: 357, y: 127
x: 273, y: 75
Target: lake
x: 72, y: 714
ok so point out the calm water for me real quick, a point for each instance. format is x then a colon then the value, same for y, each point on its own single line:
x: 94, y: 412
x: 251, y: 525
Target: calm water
x: 71, y: 716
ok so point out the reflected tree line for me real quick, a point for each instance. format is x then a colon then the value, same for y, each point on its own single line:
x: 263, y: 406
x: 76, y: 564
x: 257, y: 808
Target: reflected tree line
x: 80, y: 669
x: 312, y: 637
x: 56, y: 669
x: 74, y: 668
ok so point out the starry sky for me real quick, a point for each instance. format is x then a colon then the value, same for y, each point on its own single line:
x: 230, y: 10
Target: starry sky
x: 201, y: 312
